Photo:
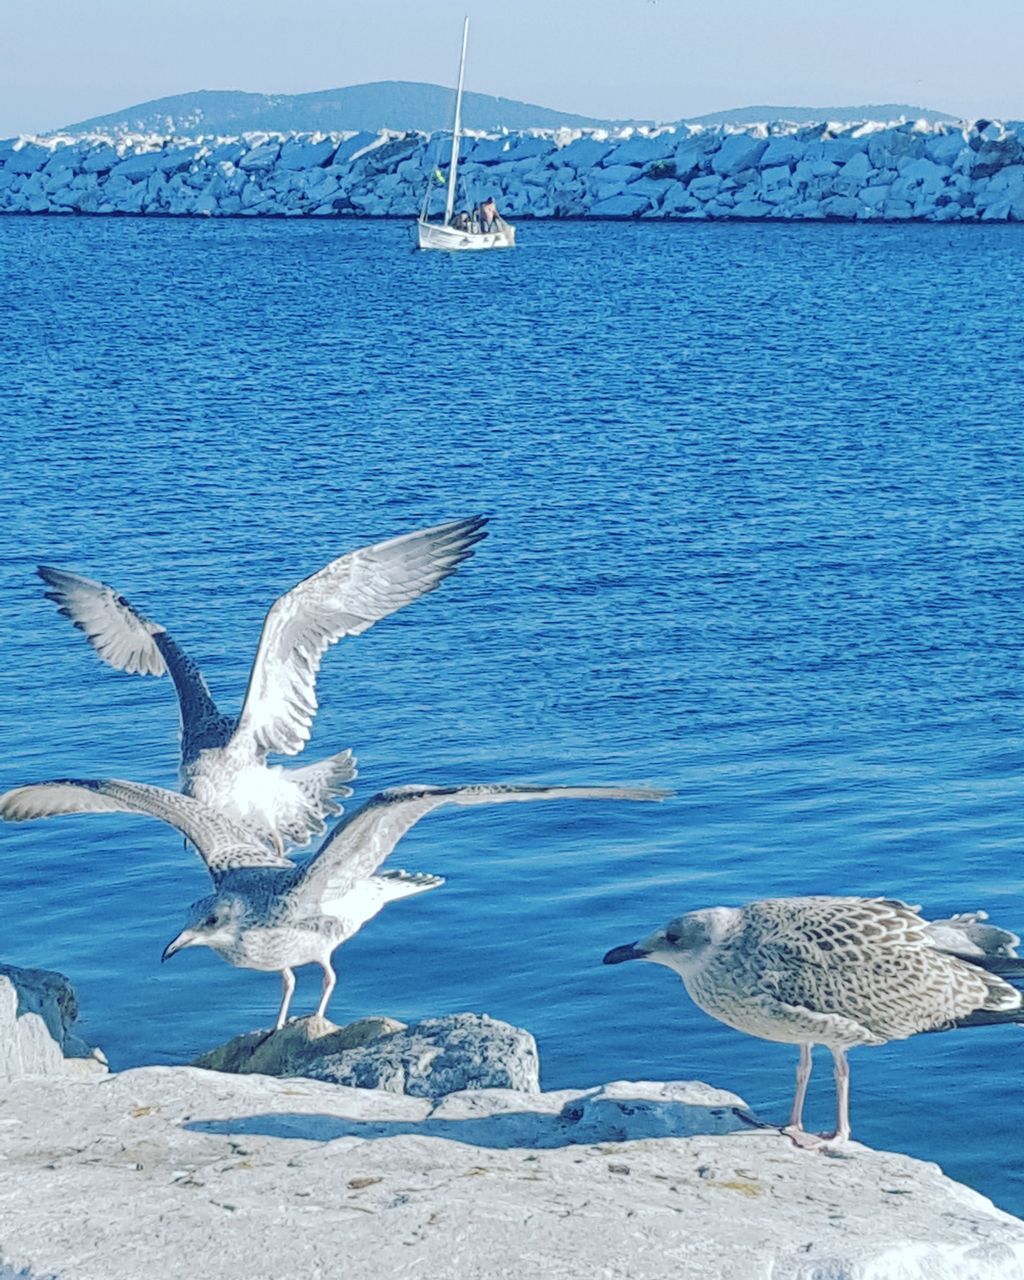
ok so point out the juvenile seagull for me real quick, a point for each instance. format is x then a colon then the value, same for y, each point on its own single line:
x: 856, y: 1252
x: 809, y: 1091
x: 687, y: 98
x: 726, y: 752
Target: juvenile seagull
x: 264, y: 912
x: 224, y: 758
x: 839, y: 972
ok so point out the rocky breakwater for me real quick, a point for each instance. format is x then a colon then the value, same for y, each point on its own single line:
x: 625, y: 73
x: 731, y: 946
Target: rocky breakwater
x: 38, y: 1013
x: 859, y: 171
x: 168, y: 1172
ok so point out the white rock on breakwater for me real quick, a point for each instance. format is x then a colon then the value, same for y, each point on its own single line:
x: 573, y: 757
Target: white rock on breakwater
x: 170, y: 1172
x: 847, y: 171
x: 38, y: 1012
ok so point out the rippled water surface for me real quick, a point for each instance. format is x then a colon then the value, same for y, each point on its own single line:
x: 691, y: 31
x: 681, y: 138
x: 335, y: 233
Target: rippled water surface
x: 757, y: 536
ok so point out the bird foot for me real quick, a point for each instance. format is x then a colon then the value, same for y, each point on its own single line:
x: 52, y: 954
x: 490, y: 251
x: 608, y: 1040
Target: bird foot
x: 267, y: 1035
x: 829, y: 1144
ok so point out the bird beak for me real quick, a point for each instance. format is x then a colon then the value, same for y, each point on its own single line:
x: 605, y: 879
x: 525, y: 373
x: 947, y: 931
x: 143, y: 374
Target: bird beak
x: 184, y: 939
x: 629, y: 952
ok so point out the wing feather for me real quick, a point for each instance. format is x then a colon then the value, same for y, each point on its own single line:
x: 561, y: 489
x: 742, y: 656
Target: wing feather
x: 343, y: 599
x: 121, y: 635
x: 831, y: 931
x: 222, y: 845
x: 359, y: 844
x: 872, y: 960
x: 129, y: 641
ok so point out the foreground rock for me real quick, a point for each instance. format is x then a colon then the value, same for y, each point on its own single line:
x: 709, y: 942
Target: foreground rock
x: 842, y: 170
x: 435, y: 1057
x: 168, y: 1172
x: 172, y: 1172
x: 38, y: 1011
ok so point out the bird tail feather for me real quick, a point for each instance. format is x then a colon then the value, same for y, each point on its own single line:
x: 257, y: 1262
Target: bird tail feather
x: 991, y: 1018
x: 324, y: 782
x: 403, y: 884
x: 1009, y: 967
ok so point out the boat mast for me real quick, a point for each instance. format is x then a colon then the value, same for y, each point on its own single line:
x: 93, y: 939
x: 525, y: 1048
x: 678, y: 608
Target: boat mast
x: 449, y: 207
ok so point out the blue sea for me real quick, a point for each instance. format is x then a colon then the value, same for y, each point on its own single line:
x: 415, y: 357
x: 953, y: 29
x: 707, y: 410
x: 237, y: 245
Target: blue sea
x: 757, y: 500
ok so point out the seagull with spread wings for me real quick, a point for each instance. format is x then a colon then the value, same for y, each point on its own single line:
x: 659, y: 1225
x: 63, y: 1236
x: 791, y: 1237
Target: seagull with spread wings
x: 223, y: 757
x: 265, y: 913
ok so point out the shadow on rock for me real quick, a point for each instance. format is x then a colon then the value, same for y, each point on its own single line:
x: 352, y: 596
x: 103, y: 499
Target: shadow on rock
x: 620, y: 1112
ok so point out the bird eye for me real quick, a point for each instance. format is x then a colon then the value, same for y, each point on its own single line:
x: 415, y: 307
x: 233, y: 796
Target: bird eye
x: 210, y: 921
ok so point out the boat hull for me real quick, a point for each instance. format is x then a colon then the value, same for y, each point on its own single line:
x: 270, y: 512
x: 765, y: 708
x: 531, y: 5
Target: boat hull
x: 434, y: 235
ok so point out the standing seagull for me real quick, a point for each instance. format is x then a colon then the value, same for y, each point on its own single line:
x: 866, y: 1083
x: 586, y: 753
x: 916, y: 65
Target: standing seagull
x: 264, y: 912
x: 839, y: 972
x: 224, y: 758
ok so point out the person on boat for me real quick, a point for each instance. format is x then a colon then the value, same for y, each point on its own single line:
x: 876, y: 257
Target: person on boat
x: 460, y: 220
x: 488, y: 214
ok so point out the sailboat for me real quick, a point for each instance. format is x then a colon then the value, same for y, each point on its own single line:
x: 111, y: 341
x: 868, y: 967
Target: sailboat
x: 447, y: 235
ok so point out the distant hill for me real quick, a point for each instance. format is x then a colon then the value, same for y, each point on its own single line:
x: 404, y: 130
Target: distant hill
x: 404, y: 104
x: 811, y: 115
x: 385, y: 104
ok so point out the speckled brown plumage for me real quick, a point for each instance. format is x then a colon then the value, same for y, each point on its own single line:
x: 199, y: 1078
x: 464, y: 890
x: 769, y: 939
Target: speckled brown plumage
x: 839, y: 972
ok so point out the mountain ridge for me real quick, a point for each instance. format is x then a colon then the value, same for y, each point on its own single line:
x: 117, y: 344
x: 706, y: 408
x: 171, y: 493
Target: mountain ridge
x: 382, y: 104
x: 811, y: 115
x: 406, y: 105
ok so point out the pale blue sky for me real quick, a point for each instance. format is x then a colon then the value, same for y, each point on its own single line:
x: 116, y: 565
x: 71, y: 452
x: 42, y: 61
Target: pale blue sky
x: 64, y: 60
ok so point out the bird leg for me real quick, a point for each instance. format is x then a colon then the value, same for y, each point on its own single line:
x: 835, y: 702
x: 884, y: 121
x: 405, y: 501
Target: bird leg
x: 842, y: 1133
x: 288, y: 978
x: 278, y: 843
x: 795, y: 1128
x: 829, y: 1143
x: 803, y: 1075
x: 330, y: 979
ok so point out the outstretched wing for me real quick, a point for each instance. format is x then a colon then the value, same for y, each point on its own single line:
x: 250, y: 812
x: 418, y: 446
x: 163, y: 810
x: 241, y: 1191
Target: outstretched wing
x: 344, y: 599
x: 129, y: 641
x: 357, y: 846
x: 121, y: 635
x: 222, y: 845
